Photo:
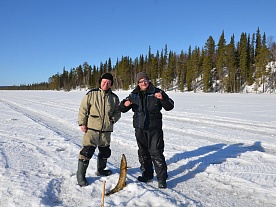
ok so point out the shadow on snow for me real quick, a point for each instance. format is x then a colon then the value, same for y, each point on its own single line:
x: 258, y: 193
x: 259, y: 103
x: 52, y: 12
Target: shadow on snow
x: 206, y: 156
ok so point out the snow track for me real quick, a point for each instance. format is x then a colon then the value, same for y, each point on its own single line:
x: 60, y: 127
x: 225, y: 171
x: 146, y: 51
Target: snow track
x: 219, y: 153
x: 45, y: 119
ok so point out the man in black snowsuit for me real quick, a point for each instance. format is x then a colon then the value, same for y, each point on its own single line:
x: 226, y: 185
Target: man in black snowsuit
x: 146, y: 101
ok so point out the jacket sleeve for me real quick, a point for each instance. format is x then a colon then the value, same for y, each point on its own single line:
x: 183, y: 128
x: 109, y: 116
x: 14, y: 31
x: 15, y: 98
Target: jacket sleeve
x: 117, y: 112
x: 167, y: 103
x: 84, y: 111
x: 122, y: 107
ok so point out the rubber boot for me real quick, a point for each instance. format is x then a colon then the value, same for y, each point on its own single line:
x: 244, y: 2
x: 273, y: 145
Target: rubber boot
x: 101, y: 165
x: 82, y: 167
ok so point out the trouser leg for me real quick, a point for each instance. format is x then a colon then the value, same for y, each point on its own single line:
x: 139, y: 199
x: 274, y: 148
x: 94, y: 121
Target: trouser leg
x: 146, y: 165
x: 104, y: 154
x: 160, y: 166
x: 144, y: 155
x: 156, y: 152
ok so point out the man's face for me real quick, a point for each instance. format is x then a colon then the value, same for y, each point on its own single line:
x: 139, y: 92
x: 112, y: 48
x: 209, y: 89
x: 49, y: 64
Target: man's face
x: 143, y: 84
x: 105, y: 84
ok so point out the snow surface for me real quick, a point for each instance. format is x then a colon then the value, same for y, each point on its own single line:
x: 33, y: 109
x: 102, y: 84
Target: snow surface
x: 220, y: 150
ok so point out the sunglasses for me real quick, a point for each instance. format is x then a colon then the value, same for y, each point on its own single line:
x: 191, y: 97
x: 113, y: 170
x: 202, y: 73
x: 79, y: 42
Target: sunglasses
x: 143, y: 81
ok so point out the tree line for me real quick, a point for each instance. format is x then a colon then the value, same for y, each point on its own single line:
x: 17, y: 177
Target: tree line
x: 216, y: 67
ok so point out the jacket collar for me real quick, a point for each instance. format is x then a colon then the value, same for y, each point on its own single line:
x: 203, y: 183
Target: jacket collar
x: 105, y: 92
x: 150, y: 89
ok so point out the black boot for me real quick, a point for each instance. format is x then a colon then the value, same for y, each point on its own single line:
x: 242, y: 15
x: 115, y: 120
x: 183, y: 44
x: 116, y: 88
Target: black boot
x: 145, y: 179
x: 146, y: 167
x: 162, y: 184
x: 101, y: 166
x: 82, y: 167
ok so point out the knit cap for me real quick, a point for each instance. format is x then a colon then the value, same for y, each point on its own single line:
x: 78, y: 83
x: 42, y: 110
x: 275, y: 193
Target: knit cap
x: 106, y: 76
x: 141, y: 75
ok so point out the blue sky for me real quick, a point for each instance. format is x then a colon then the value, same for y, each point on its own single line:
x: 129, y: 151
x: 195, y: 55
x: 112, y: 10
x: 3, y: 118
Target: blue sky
x: 38, y: 38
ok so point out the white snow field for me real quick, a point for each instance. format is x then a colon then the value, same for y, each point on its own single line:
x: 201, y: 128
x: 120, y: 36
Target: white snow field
x: 220, y: 150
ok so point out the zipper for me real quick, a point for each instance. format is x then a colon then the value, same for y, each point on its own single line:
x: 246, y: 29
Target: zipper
x: 104, y: 105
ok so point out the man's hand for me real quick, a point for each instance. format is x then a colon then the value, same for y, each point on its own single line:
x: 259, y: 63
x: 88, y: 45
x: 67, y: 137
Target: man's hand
x: 127, y: 103
x: 158, y: 95
x: 83, y: 128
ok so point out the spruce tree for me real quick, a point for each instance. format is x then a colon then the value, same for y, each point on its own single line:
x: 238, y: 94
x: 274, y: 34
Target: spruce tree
x: 164, y: 63
x: 258, y: 42
x: 221, y: 58
x: 243, y: 61
x: 230, y: 64
x: 261, y: 61
x: 249, y: 62
x: 208, y: 63
x: 182, y: 71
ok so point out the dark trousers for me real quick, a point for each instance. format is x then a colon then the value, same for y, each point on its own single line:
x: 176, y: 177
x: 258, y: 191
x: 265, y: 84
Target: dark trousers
x: 150, y: 152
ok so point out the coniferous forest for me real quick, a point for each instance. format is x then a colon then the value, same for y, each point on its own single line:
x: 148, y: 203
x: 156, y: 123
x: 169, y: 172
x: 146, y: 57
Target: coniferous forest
x: 216, y: 67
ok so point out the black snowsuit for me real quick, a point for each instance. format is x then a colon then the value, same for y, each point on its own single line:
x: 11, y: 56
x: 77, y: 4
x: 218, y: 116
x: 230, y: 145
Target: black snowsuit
x: 147, y: 121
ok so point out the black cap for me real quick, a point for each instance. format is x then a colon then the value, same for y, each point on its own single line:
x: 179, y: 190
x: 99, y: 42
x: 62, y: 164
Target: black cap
x: 106, y: 76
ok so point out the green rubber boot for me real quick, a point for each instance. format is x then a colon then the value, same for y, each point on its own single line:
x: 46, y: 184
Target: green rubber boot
x: 82, y: 167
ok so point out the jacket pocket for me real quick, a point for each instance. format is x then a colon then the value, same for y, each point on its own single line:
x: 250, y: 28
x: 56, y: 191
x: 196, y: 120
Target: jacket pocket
x: 94, y: 122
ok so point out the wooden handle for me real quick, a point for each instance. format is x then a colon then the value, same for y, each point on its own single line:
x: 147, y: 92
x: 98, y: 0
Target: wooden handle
x: 103, y: 192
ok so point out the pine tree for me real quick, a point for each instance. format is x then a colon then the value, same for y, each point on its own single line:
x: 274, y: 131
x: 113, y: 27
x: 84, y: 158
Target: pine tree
x: 164, y: 64
x: 230, y: 64
x: 73, y: 78
x: 221, y: 58
x: 264, y: 39
x: 243, y: 58
x: 208, y: 63
x: 124, y: 73
x: 206, y: 80
x: 258, y: 42
x: 149, y: 58
x: 109, y: 65
x: 94, y: 79
x: 182, y: 71
x: 86, y: 73
x: 261, y: 61
x: 196, y: 59
x: 189, y: 72
x: 249, y: 77
x: 154, y: 70
x: 65, y: 80
x: 79, y: 76
x: 252, y: 50
x: 170, y: 69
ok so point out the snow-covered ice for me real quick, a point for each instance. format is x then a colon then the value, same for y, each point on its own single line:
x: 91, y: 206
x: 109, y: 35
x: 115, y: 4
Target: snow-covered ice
x: 220, y: 150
